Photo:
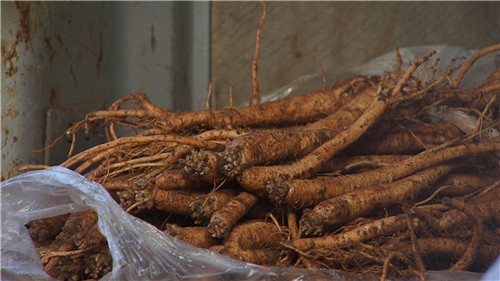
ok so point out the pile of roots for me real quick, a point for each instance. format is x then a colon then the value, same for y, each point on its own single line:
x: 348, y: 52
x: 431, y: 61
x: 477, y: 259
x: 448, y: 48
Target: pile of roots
x: 362, y: 175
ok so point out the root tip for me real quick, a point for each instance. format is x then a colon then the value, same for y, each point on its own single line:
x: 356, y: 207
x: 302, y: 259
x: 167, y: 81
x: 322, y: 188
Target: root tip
x: 231, y: 165
x: 276, y: 190
x: 311, y: 225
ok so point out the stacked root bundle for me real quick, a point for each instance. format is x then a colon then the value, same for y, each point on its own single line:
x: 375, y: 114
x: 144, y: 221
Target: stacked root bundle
x: 356, y: 176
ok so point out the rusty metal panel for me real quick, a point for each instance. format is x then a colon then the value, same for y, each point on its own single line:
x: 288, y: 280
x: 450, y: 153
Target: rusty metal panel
x: 52, y: 58
x: 60, y: 59
x: 23, y: 100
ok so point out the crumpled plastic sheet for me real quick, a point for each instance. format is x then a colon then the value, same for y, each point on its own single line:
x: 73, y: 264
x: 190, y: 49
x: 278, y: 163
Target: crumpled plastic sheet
x: 140, y: 251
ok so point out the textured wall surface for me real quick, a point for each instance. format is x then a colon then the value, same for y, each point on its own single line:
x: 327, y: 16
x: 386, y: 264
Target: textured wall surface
x: 346, y: 34
x: 61, y: 60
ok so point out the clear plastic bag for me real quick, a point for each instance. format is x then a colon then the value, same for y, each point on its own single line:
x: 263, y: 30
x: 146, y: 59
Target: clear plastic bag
x: 142, y: 252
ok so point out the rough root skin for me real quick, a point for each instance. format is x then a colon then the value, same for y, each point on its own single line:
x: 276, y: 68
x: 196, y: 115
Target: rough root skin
x: 355, y: 204
x: 254, y: 241
x: 194, y: 235
x: 200, y: 163
x: 275, y: 190
x: 204, y: 206
x: 271, y: 147
x: 312, y: 224
x: 231, y: 166
x: 226, y: 218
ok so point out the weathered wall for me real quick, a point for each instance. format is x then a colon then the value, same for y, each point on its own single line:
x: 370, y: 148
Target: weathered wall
x: 345, y: 33
x: 61, y: 60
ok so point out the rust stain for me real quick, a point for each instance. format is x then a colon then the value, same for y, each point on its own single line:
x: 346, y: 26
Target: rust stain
x: 16, y: 163
x: 50, y: 49
x: 294, y: 45
x: 91, y: 28
x: 10, y: 89
x: 10, y: 55
x: 23, y: 8
x: 59, y: 39
x: 5, y: 136
x: 153, y: 42
x: 12, y: 113
x: 99, y: 58
x: 54, y: 97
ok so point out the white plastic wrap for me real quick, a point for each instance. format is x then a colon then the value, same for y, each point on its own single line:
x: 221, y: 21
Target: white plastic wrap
x: 142, y: 252
x: 464, y: 121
